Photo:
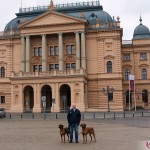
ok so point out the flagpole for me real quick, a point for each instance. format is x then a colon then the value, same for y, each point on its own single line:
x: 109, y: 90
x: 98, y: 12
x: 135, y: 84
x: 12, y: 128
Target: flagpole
x: 129, y: 93
x: 134, y: 95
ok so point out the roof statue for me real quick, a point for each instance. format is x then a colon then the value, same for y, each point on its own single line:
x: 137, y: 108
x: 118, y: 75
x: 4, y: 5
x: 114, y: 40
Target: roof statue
x: 52, y: 7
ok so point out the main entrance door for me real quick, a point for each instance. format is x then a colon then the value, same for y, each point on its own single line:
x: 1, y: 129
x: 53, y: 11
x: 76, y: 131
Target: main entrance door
x: 47, y: 91
x: 65, y: 97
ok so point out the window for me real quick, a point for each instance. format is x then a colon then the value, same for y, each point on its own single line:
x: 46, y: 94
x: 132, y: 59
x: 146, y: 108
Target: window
x: 144, y: 74
x: 40, y: 68
x: 53, y: 66
x: 53, y: 50
x: 126, y: 57
x: 67, y: 66
x: 127, y: 73
x: 35, y: 69
x: 143, y: 56
x: 2, y: 99
x: 37, y: 51
x: 145, y: 96
x: 70, y: 49
x: 2, y: 72
x: 70, y: 66
x: 109, y: 67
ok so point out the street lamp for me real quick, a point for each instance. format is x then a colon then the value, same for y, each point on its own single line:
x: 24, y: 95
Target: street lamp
x: 108, y: 91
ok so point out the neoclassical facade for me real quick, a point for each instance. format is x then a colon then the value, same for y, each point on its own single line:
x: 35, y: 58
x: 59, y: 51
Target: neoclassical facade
x: 71, y: 53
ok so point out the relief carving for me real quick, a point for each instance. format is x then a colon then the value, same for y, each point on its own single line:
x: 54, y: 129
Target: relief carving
x: 2, y: 53
x: 53, y: 59
x: 70, y: 59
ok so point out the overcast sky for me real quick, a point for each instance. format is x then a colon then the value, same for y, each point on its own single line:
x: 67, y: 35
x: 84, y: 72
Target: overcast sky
x: 128, y: 10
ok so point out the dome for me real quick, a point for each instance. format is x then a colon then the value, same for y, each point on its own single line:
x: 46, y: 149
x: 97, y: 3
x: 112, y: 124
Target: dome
x: 141, y: 31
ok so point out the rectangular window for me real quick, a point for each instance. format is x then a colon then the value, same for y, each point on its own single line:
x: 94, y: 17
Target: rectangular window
x: 67, y: 66
x: 39, y: 51
x: 35, y: 69
x: 40, y: 68
x: 56, y: 66
x: 55, y: 50
x: 51, y: 50
x: 51, y: 67
x: 72, y: 50
x: 143, y: 56
x: 126, y: 57
x: 2, y: 99
x: 73, y: 66
x: 68, y: 49
x: 35, y: 51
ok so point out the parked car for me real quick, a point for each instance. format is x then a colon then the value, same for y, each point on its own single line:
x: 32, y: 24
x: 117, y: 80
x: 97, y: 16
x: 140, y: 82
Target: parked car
x: 2, y: 112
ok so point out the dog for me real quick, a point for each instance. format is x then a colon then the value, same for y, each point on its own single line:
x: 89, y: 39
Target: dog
x: 63, y: 132
x: 86, y: 131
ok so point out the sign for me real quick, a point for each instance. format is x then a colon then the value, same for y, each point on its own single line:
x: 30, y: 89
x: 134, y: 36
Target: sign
x: 43, y: 98
x: 131, y: 78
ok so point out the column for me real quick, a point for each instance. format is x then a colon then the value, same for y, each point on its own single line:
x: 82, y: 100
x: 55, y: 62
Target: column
x: 60, y: 45
x: 83, y: 53
x: 23, y: 54
x: 77, y: 51
x: 44, y: 62
x: 27, y: 54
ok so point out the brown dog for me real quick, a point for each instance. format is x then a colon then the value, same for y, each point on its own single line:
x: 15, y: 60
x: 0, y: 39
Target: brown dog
x: 86, y: 131
x: 63, y: 133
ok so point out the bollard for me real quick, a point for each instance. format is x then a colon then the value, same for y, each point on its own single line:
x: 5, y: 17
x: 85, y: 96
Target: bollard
x: 114, y: 115
x: 56, y: 116
x: 133, y: 114
x: 10, y: 116
x: 21, y: 116
x: 32, y: 115
x: 142, y: 114
x: 104, y: 115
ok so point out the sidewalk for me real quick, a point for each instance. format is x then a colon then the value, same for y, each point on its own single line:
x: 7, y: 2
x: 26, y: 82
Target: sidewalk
x: 119, y: 134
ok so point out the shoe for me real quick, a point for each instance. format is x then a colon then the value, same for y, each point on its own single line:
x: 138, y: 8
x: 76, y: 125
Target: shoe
x: 70, y: 141
x: 77, y: 142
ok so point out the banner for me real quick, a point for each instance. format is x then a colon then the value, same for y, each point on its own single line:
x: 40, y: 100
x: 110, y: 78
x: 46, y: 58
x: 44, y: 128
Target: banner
x: 131, y: 78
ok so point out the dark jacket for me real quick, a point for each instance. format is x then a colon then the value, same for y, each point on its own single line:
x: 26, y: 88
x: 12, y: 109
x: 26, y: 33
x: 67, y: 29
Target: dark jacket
x: 74, y: 117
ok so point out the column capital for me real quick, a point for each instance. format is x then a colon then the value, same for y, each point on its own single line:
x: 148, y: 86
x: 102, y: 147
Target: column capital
x: 82, y: 32
x: 27, y: 36
x: 43, y: 35
x: 60, y: 33
x: 77, y: 32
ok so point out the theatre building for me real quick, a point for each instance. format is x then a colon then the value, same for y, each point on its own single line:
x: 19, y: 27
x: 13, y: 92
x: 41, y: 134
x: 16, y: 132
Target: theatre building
x: 71, y: 53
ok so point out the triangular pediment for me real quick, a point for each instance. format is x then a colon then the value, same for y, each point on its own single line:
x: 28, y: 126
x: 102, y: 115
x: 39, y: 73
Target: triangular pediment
x: 52, y: 18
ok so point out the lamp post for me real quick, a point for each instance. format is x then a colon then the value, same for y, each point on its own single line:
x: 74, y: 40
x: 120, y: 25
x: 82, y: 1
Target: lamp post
x: 108, y: 92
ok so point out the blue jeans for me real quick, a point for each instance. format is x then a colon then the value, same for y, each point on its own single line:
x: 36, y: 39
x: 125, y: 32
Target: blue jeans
x: 73, y: 127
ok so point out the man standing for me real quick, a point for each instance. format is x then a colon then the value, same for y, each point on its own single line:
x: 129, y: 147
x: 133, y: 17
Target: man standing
x: 74, y: 118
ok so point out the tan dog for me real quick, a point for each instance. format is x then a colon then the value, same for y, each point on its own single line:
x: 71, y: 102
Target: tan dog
x: 86, y: 131
x: 63, y: 133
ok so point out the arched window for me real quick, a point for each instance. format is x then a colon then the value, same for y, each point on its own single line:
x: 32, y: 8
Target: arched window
x: 109, y: 67
x: 127, y: 73
x: 2, y: 72
x: 144, y: 74
x: 145, y: 96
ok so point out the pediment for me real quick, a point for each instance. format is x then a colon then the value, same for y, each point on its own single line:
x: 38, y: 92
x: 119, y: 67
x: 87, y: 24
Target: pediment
x: 51, y: 18
x: 143, y: 65
x: 109, y: 57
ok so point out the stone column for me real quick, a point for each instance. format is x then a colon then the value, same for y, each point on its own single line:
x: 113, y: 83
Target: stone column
x: 23, y: 54
x: 60, y: 45
x: 77, y: 51
x: 44, y: 64
x: 83, y: 53
x: 27, y: 54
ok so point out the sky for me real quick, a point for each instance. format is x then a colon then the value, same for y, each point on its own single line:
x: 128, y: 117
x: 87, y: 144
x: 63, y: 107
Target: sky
x: 129, y: 11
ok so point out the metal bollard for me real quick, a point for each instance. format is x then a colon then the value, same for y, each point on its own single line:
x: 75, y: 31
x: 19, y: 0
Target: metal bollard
x: 133, y: 114
x: 56, y: 116
x: 114, y: 115
x: 21, y: 116
x: 10, y: 116
x: 124, y: 115
x: 142, y: 114
x: 104, y: 115
x: 32, y: 115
